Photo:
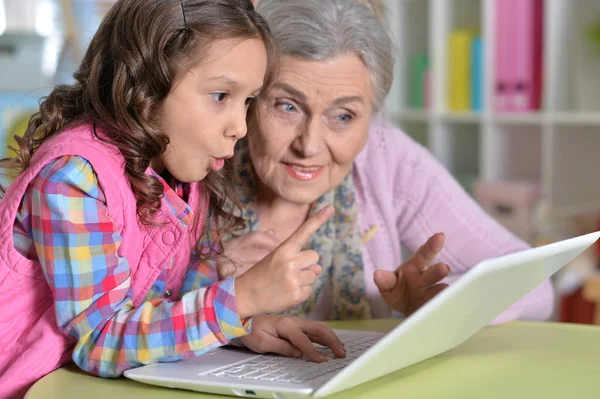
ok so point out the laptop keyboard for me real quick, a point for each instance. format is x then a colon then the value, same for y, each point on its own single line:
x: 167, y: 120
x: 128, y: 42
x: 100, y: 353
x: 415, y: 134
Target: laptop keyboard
x: 296, y: 370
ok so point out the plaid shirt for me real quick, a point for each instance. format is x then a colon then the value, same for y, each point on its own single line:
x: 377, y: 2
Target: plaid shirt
x: 63, y: 223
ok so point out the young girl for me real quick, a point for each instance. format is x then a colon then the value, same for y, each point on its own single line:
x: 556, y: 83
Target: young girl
x: 98, y: 231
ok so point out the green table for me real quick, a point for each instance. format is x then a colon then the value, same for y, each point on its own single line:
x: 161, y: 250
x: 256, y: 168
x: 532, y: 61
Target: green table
x: 517, y: 360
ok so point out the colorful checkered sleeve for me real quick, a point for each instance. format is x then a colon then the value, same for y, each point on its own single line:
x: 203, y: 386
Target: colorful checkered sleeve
x: 76, y: 243
x: 202, y: 274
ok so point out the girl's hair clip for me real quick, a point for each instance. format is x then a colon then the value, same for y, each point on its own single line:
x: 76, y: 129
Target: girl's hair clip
x: 185, y: 25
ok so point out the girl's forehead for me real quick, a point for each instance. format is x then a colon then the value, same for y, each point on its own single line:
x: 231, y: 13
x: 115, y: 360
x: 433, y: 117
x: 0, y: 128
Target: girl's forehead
x: 233, y: 63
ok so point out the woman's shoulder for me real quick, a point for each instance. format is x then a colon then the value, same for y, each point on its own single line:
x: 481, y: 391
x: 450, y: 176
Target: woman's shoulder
x: 389, y: 150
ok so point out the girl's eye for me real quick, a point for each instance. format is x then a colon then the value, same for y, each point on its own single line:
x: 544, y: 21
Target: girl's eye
x: 219, y: 97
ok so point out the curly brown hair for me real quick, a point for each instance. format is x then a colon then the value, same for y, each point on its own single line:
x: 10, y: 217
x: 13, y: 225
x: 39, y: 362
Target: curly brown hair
x: 130, y: 66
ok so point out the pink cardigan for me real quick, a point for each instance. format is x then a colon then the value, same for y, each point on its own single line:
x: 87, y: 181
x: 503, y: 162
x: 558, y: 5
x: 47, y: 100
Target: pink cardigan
x: 404, y: 191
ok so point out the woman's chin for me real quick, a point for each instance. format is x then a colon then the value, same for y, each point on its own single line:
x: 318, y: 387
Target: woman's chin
x: 300, y: 196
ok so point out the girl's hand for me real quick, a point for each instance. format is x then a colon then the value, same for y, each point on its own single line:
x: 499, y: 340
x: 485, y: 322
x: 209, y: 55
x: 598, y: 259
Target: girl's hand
x: 242, y: 253
x: 292, y: 337
x: 283, y: 278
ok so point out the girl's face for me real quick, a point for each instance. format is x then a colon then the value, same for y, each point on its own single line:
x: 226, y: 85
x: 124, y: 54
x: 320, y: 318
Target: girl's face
x: 204, y: 115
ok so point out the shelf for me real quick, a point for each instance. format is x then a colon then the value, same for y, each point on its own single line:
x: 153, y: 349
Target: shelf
x: 572, y: 180
x: 409, y: 25
x: 577, y: 118
x: 462, y: 116
x: 457, y: 146
x: 574, y: 60
x: 465, y: 14
x: 513, y: 152
x: 424, y: 115
x: 529, y: 118
x: 412, y: 115
x: 575, y: 209
x: 519, y: 119
x: 415, y: 129
x: 557, y: 145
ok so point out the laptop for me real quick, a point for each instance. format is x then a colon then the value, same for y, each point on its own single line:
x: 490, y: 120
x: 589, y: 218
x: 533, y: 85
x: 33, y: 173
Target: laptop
x: 459, y: 311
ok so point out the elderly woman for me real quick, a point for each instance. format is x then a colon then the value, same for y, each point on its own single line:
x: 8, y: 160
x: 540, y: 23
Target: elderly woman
x: 315, y: 139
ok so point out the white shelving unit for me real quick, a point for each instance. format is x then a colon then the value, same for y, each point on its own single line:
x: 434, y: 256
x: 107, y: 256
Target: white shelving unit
x: 559, y: 146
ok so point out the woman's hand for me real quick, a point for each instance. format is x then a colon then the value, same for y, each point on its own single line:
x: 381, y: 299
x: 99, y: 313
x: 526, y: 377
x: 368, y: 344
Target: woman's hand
x: 242, y: 253
x: 414, y: 282
x: 283, y: 278
x: 292, y: 337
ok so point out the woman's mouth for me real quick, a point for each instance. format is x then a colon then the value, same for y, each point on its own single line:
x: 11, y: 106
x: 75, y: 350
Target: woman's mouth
x: 303, y: 172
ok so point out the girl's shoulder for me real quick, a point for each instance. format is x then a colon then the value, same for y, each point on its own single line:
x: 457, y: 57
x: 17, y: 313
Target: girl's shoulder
x: 72, y: 171
x: 87, y: 144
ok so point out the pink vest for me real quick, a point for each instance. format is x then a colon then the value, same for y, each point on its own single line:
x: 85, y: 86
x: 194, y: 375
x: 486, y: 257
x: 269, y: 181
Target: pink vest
x: 31, y: 344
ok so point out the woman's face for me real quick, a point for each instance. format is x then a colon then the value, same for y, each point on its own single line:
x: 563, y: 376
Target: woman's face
x: 311, y: 125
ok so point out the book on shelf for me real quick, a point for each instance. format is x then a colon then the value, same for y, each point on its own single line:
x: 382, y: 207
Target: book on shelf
x: 459, y: 70
x: 518, y: 55
x: 477, y: 74
x: 420, y: 66
x: 465, y: 71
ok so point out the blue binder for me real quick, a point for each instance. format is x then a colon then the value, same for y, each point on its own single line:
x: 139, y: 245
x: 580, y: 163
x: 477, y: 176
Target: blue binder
x: 477, y: 74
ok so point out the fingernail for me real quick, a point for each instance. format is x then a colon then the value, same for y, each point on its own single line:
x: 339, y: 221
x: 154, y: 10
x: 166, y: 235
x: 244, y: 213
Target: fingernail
x: 447, y: 268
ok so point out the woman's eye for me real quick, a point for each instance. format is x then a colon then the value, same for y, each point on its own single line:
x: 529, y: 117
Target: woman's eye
x: 219, y: 97
x: 345, y: 118
x: 287, y: 107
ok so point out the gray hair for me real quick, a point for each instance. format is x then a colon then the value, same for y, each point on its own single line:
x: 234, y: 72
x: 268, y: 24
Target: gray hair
x: 319, y: 30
